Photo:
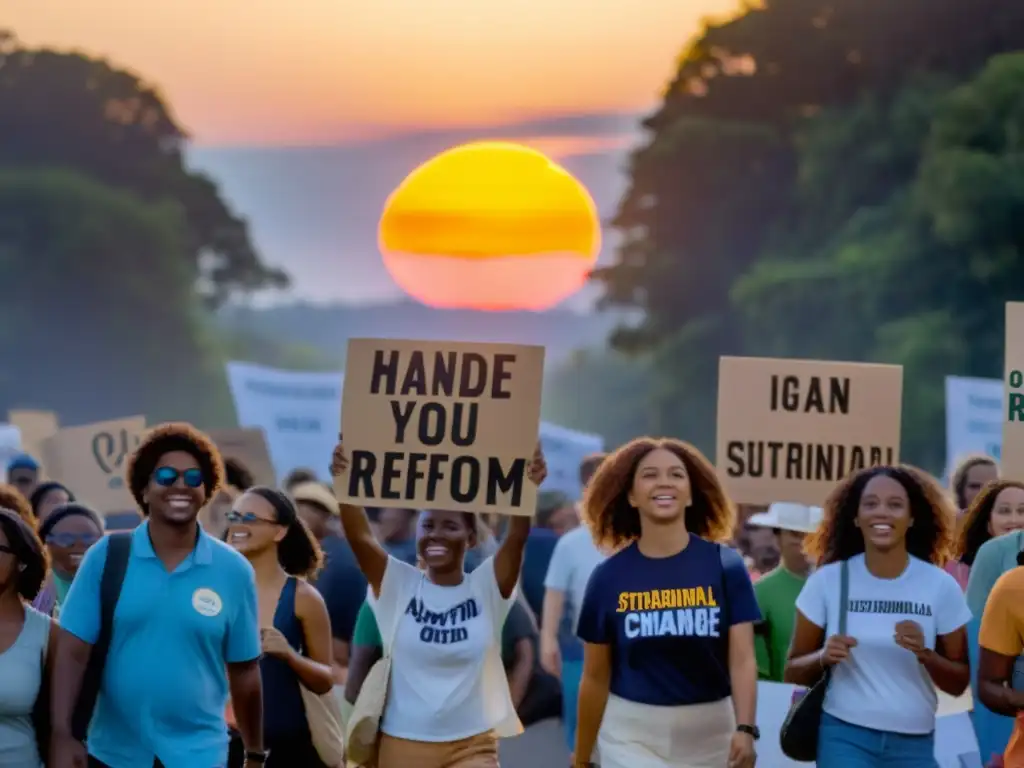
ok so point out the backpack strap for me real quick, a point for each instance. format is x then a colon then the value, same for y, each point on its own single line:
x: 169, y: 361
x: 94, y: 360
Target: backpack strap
x: 723, y: 599
x: 114, y: 569
x: 119, y: 547
x: 844, y: 594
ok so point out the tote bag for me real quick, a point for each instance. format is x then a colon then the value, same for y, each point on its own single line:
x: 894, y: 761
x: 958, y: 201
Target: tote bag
x: 799, y: 735
x: 363, y: 732
x: 324, y: 717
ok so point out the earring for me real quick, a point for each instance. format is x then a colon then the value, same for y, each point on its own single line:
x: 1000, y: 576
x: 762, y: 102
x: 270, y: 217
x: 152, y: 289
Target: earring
x: 21, y: 567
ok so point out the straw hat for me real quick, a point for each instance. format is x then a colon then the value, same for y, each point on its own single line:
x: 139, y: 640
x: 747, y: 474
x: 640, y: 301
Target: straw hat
x: 316, y: 493
x: 789, y: 517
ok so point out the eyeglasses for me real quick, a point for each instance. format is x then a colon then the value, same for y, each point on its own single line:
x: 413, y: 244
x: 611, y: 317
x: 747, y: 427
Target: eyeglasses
x: 248, y: 518
x: 168, y: 476
x: 70, y: 539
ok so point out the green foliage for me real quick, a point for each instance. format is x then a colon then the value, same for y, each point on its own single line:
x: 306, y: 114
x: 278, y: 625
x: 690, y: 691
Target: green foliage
x: 600, y: 392
x: 840, y: 180
x: 104, y: 272
x: 258, y: 349
x: 112, y: 251
x: 67, y: 110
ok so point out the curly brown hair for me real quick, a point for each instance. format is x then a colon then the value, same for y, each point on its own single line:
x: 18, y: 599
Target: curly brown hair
x: 614, y: 523
x: 11, y: 498
x: 174, y: 436
x: 930, y: 538
x: 958, y: 479
x: 28, y: 551
x: 972, y: 530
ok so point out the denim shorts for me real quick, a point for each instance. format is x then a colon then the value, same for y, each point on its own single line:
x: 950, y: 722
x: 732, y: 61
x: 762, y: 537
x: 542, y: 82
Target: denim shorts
x: 844, y: 745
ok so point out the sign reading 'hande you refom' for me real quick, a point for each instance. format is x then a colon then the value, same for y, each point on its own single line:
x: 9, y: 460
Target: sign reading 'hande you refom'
x: 789, y: 430
x: 441, y: 425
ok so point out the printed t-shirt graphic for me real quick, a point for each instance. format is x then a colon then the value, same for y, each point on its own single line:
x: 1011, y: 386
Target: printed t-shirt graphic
x: 667, y: 620
x: 1002, y: 631
x: 883, y: 686
x: 447, y: 680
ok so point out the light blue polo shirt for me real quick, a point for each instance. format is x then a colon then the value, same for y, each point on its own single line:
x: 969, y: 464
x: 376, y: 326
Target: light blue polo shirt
x: 165, y: 685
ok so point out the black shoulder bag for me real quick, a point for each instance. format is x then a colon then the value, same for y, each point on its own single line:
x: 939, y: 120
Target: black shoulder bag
x: 118, y: 549
x: 799, y: 735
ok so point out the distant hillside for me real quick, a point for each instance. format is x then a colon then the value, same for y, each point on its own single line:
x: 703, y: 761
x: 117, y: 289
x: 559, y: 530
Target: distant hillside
x: 326, y: 329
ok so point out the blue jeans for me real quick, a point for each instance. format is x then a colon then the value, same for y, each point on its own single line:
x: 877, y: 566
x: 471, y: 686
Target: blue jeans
x: 843, y: 745
x: 572, y: 671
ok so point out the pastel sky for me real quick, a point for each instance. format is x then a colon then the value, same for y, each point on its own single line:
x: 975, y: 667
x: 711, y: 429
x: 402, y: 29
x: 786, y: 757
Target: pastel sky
x: 268, y: 72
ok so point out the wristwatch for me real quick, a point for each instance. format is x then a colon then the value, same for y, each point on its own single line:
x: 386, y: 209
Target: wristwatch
x: 256, y: 757
x: 750, y: 730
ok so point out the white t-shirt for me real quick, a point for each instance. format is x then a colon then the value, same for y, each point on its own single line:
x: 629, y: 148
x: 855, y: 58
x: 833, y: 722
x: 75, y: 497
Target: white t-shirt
x: 574, y: 559
x: 881, y: 685
x: 447, y: 679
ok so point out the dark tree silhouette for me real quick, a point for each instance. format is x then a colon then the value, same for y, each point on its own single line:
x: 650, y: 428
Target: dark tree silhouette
x: 720, y: 185
x: 67, y: 110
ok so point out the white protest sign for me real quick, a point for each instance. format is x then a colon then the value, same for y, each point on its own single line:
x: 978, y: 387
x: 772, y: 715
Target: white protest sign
x: 298, y: 411
x: 564, y: 450
x: 974, y: 418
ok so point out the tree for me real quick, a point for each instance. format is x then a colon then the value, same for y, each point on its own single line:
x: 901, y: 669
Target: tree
x: 98, y: 313
x: 716, y: 187
x: 921, y: 246
x: 66, y: 110
x: 601, y: 392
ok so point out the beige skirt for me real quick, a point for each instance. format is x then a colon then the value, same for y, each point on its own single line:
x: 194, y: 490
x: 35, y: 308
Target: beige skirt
x: 643, y: 736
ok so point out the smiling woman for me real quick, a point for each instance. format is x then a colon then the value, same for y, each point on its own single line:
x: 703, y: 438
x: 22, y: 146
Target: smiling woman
x: 441, y: 629
x: 885, y: 533
x: 667, y: 620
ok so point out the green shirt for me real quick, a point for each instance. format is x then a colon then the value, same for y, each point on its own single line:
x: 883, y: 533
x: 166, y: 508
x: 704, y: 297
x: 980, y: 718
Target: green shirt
x: 776, y: 594
x: 366, y: 631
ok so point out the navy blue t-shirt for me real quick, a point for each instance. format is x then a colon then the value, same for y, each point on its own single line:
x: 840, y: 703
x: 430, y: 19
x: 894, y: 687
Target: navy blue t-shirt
x: 667, y: 621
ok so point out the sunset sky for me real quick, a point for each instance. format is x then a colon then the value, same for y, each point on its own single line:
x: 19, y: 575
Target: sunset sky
x: 266, y: 72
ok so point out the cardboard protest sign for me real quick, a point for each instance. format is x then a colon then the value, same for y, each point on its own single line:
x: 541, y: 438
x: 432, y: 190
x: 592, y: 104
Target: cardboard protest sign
x: 441, y: 425
x: 91, y: 461
x: 789, y: 430
x: 249, y: 447
x: 1013, y: 391
x: 35, y: 427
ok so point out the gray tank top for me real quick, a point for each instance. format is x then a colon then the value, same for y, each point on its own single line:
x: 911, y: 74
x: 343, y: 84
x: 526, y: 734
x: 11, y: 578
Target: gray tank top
x: 21, y: 669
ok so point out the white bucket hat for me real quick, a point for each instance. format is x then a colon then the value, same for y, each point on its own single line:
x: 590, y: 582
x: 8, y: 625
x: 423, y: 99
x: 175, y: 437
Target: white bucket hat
x: 789, y: 517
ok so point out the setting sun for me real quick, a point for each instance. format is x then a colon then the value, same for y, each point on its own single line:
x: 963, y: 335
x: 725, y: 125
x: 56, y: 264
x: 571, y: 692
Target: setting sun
x: 490, y: 225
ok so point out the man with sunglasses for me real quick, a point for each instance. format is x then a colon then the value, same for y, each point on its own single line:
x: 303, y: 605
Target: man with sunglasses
x: 185, y: 627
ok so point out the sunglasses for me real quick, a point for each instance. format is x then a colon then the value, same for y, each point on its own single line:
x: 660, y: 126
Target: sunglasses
x: 70, y: 539
x: 248, y: 518
x: 168, y: 476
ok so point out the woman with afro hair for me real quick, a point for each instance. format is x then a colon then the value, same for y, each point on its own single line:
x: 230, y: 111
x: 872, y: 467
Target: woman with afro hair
x: 11, y: 498
x: 185, y: 625
x: 669, y: 671
x: 886, y: 531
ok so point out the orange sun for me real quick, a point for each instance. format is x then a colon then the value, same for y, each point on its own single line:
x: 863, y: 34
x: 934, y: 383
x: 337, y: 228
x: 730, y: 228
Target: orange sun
x: 490, y: 225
